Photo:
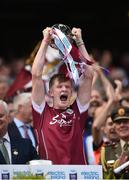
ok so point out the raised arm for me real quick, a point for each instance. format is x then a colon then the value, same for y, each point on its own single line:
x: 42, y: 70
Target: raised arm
x: 85, y: 86
x: 77, y: 36
x: 101, y: 115
x: 38, y: 87
x: 84, y: 91
x: 103, y: 111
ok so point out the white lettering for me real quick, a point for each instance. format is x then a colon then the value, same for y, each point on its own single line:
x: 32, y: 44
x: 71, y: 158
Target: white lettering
x: 62, y: 121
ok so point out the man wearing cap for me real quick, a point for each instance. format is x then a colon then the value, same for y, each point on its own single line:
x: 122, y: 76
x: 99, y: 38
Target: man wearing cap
x: 119, y: 154
x: 59, y: 128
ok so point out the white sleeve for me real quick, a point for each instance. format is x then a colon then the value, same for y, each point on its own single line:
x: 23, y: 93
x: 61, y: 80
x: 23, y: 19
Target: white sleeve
x: 82, y: 108
x: 38, y: 108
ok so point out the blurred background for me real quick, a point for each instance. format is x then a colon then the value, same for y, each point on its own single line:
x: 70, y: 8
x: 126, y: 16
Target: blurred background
x: 105, y: 26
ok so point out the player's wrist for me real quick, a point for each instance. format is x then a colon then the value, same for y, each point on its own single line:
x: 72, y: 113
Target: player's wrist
x: 79, y: 42
x: 46, y: 40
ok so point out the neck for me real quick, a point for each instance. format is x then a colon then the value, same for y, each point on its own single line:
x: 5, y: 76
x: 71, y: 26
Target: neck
x: 19, y: 117
x: 60, y: 108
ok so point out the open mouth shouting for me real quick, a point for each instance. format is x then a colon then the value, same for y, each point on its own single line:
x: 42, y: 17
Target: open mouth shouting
x: 63, y: 97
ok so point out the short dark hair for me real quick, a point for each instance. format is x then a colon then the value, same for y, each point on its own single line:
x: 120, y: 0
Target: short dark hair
x: 60, y: 78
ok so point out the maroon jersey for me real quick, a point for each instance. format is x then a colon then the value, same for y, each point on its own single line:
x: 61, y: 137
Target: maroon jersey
x: 60, y: 134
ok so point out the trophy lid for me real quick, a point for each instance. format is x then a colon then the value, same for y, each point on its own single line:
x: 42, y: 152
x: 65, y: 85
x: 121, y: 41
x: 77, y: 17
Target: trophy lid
x: 64, y: 29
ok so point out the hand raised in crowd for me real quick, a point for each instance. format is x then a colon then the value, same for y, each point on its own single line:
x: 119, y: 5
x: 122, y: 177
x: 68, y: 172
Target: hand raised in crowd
x: 118, y: 90
x: 110, y: 93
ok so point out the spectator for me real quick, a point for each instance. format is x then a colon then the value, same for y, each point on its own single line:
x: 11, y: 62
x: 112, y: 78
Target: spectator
x: 4, y: 86
x: 95, y: 102
x: 100, y: 105
x: 119, y: 153
x: 21, y: 123
x: 11, y: 109
x: 13, y: 150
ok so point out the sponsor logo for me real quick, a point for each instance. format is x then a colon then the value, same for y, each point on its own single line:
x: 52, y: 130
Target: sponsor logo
x: 61, y: 120
x: 90, y: 175
x: 57, y: 174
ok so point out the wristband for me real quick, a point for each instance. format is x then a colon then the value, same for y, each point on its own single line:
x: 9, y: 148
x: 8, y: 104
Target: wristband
x: 80, y: 43
x: 46, y: 40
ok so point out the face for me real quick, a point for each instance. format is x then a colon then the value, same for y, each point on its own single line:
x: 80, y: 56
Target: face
x: 61, y: 93
x: 95, y: 96
x: 25, y: 112
x: 122, y: 129
x: 95, y: 102
x: 109, y: 130
x: 3, y: 89
x: 4, y: 120
x: 11, y: 111
x: 106, y: 58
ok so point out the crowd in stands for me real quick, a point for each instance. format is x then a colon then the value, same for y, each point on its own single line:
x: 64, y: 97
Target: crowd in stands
x: 107, y: 123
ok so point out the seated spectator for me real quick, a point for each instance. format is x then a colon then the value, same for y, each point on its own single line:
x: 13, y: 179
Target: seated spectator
x: 13, y: 150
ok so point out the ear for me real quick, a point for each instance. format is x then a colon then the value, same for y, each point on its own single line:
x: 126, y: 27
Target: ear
x: 103, y: 129
x: 50, y: 93
x: 19, y: 107
x: 8, y: 119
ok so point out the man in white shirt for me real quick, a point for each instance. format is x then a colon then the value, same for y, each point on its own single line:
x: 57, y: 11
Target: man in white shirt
x: 21, y: 124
